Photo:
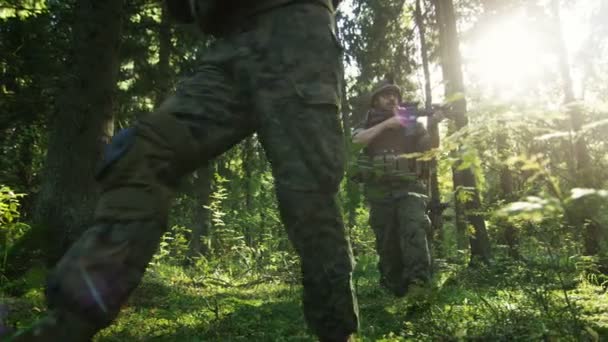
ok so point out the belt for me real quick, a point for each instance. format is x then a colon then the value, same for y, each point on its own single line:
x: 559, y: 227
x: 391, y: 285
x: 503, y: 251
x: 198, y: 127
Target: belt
x: 242, y: 16
x: 392, y: 163
x: 265, y: 5
x: 389, y: 158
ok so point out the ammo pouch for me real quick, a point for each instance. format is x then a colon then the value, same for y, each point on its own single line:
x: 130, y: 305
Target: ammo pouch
x: 388, y: 167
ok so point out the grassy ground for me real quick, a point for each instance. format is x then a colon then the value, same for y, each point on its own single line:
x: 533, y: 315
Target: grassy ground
x: 505, y: 302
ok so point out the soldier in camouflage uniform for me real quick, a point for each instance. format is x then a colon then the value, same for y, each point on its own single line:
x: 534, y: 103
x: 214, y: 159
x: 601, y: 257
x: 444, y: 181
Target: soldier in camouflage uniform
x: 274, y: 70
x: 396, y: 190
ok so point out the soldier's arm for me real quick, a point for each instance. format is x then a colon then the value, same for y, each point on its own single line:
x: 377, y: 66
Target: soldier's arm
x: 366, y: 136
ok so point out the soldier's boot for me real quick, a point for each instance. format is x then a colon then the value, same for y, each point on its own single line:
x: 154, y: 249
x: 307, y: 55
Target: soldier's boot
x: 94, y: 278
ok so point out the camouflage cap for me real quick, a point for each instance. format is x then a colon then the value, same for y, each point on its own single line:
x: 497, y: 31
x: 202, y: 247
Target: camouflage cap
x: 384, y: 86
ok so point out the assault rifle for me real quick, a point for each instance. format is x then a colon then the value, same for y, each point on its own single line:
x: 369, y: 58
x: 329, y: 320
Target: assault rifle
x: 408, y: 113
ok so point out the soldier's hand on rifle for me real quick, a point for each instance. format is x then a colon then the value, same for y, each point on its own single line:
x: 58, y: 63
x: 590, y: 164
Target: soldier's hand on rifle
x: 439, y: 114
x: 393, y: 122
x: 365, y: 136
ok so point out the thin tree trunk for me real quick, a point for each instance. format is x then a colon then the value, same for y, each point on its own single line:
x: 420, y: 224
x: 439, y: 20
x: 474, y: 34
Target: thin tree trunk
x: 26, y: 168
x: 82, y: 126
x: 200, y: 220
x: 454, y: 84
x: 459, y: 208
x: 510, y: 234
x: 248, y: 164
x: 435, y: 213
x: 460, y: 218
x: 582, y: 159
x: 583, y: 171
x: 351, y: 187
x: 163, y: 81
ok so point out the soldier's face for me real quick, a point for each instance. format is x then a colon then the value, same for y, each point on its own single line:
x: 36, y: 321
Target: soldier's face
x: 387, y: 101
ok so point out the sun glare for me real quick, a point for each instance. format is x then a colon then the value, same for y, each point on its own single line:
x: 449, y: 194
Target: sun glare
x: 506, y: 59
x: 510, y: 58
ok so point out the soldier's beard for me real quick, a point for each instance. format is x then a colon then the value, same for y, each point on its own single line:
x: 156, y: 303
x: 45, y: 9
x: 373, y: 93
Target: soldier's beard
x: 389, y: 106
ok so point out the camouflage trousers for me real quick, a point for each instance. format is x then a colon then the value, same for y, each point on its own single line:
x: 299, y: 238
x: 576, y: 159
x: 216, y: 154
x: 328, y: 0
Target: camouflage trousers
x: 277, y: 76
x: 400, y: 224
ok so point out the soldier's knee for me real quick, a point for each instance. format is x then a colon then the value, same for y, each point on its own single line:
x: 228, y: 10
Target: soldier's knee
x: 177, y: 135
x: 315, y: 227
x: 296, y: 201
x: 159, y: 142
x: 115, y: 150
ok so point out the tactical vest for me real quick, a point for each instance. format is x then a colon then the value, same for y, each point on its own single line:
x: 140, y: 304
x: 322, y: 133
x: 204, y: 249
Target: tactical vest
x: 219, y: 16
x: 385, y: 158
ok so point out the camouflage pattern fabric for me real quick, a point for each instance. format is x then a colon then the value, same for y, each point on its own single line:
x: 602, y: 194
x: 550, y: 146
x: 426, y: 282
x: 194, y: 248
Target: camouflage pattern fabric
x: 400, y: 223
x: 276, y: 75
x: 395, y: 188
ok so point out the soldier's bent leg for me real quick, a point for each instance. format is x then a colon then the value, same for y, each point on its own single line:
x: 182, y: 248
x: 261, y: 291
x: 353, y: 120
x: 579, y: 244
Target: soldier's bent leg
x: 92, y: 280
x: 142, y: 166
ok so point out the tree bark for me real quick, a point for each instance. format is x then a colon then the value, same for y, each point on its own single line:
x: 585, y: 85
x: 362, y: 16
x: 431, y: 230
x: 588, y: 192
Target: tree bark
x: 581, y: 159
x: 454, y: 85
x: 433, y: 129
x: 248, y: 165
x: 83, y: 124
x: 200, y: 220
x: 163, y: 81
x: 510, y: 234
x: 351, y: 187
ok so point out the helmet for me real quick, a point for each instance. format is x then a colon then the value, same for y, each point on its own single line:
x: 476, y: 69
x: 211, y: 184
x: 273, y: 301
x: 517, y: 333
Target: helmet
x: 383, y: 86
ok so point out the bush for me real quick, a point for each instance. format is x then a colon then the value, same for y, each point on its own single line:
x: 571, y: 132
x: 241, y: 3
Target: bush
x: 10, y: 227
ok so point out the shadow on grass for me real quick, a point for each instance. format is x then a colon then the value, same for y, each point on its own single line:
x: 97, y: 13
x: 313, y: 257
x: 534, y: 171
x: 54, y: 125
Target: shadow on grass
x: 235, y: 318
x: 158, y: 311
x: 460, y: 304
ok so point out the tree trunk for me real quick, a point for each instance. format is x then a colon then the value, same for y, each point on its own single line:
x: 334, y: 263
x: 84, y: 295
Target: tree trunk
x: 248, y: 166
x: 200, y: 220
x: 510, y: 235
x: 433, y: 129
x: 82, y: 125
x: 583, y: 171
x: 454, y: 85
x: 163, y: 81
x: 351, y: 187
x: 26, y: 169
x: 460, y: 218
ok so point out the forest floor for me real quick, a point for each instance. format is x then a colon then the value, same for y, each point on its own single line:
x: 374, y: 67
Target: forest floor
x: 507, y: 301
